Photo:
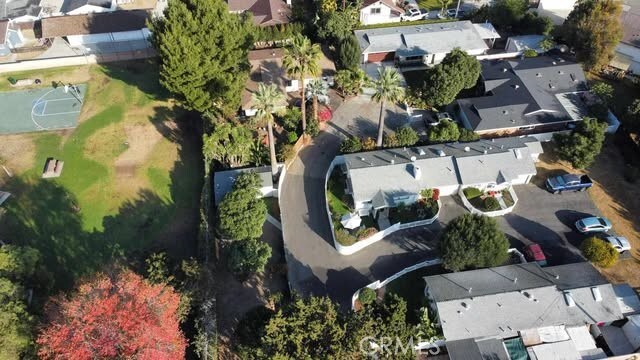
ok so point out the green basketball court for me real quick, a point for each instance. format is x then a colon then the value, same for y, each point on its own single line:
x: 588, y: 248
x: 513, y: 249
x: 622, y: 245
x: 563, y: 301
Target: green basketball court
x: 40, y: 109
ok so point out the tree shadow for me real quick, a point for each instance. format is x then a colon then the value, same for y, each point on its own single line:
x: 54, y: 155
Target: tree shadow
x: 136, y: 73
x: 45, y: 215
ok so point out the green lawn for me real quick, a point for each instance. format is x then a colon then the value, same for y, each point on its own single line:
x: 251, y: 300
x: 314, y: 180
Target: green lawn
x: 95, y: 213
x: 410, y: 287
x: 335, y: 194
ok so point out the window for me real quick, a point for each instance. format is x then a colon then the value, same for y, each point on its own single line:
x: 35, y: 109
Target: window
x: 376, y: 10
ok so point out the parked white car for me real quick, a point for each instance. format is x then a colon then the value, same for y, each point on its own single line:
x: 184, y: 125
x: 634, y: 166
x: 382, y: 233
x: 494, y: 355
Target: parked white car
x: 414, y: 14
x: 619, y: 243
x: 593, y: 224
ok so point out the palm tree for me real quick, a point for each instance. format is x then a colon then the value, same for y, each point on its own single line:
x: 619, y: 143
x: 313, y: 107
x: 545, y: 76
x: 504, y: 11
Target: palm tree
x: 302, y: 59
x: 265, y: 101
x: 445, y: 4
x: 316, y: 88
x: 387, y: 88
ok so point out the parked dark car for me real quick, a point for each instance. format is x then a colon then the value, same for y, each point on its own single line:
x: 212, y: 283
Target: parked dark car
x: 568, y: 182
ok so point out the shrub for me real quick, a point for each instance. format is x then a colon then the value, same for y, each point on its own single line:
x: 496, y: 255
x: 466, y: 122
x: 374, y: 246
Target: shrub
x: 406, y: 136
x: 344, y: 238
x: 390, y: 140
x: 367, y: 296
x: 365, y: 233
x: 349, y: 53
x: 246, y: 257
x: 350, y: 145
x: 599, y: 252
x: 426, y: 193
x: 445, y: 131
x: 529, y: 53
x: 12, y: 80
x: 467, y: 135
x: 313, y: 127
x: 491, y: 203
x: 368, y: 143
x: 285, y: 153
x: 290, y: 120
x: 631, y: 173
x: 472, y: 192
x: 292, y: 137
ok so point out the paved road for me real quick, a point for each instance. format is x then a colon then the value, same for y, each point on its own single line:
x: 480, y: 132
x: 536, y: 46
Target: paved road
x: 314, y: 266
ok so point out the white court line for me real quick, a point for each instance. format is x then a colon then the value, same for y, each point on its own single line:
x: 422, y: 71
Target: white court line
x: 71, y: 98
x: 60, y: 113
x: 33, y: 107
x: 44, y: 108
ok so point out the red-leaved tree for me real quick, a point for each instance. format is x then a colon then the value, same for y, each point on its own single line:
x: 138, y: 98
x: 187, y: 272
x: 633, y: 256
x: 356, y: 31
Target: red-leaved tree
x: 117, y: 315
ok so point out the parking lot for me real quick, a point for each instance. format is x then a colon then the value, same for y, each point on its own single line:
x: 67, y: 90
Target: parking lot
x: 548, y: 220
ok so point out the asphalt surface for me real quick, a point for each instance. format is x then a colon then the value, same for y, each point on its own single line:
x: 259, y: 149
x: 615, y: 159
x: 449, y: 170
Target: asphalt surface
x: 316, y: 268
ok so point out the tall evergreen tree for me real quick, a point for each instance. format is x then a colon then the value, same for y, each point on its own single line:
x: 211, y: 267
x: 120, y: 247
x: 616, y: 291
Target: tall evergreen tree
x: 203, y: 54
x: 593, y: 29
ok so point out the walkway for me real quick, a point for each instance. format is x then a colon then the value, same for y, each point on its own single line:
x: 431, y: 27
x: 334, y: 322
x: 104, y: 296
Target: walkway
x: 314, y: 266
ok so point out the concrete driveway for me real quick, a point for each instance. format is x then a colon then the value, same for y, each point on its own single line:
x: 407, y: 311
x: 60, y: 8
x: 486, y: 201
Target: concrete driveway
x: 314, y: 266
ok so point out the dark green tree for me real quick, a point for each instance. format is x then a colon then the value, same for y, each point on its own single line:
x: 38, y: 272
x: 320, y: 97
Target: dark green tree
x: 583, y: 144
x: 593, y: 30
x: 445, y: 131
x: 473, y: 241
x: 158, y: 269
x: 350, y: 145
x: 338, y: 25
x: 242, y: 211
x: 603, y: 91
x: 248, y: 256
x: 467, y: 135
x: 203, y: 54
x: 349, y: 54
x: 532, y: 23
x: 466, y: 67
x: 632, y: 118
x: 18, y: 266
x: 406, y: 136
x: 229, y: 144
x: 506, y: 14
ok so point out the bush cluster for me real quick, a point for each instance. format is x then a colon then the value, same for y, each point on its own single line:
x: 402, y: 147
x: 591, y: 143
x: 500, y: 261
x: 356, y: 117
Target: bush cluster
x: 599, y: 252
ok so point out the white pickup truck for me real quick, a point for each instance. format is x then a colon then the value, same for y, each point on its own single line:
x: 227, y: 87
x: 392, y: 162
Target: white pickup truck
x: 414, y: 14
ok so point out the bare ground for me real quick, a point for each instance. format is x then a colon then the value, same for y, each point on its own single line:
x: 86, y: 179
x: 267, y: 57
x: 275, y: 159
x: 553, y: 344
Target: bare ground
x: 617, y: 199
x: 17, y: 153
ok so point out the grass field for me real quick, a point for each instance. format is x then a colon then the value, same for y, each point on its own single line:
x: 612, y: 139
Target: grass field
x: 131, y: 179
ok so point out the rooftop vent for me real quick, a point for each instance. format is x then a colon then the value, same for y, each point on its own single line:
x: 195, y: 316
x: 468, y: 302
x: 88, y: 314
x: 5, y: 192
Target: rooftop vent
x: 595, y: 291
x: 568, y: 299
x: 441, y: 153
x: 554, y: 63
x: 538, y: 75
x: 573, y: 77
x: 551, y: 86
x: 417, y: 173
x: 466, y: 306
x: 392, y: 161
x: 421, y: 152
x: 505, y: 112
x: 516, y: 86
x: 504, y: 70
x: 467, y: 149
x: 413, y: 159
x: 560, y: 72
x: 517, y: 153
x: 529, y: 295
x: 515, y: 279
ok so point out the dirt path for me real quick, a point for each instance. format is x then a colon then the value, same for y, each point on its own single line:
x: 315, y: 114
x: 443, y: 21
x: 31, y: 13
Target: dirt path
x: 617, y: 199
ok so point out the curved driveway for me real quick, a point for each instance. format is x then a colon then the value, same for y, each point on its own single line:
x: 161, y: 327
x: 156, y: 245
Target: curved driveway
x: 314, y: 266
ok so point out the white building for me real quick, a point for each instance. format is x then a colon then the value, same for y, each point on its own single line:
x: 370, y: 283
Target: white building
x: 556, y: 10
x: 427, y: 43
x: 223, y: 181
x: 400, y: 174
x: 77, y: 7
x: 380, y: 11
x: 117, y: 30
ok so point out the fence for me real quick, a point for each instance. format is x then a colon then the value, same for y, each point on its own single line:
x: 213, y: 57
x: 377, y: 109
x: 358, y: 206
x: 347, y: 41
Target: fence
x: 36, y: 64
x: 501, y: 212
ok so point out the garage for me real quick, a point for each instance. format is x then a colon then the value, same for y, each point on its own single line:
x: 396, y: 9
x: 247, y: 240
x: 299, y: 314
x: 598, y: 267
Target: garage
x: 380, y: 57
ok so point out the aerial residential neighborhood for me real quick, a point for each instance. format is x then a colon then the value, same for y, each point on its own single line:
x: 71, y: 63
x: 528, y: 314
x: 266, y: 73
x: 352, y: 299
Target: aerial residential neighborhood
x: 319, y: 179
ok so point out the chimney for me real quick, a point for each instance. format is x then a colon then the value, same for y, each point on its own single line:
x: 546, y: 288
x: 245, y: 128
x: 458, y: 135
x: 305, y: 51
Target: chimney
x: 417, y: 173
x: 515, y: 279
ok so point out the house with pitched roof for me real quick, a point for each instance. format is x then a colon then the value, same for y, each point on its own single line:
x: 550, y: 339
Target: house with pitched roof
x: 495, y: 313
x: 265, y: 12
x: 426, y: 43
x: 400, y: 174
x: 522, y: 96
x: 379, y: 12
